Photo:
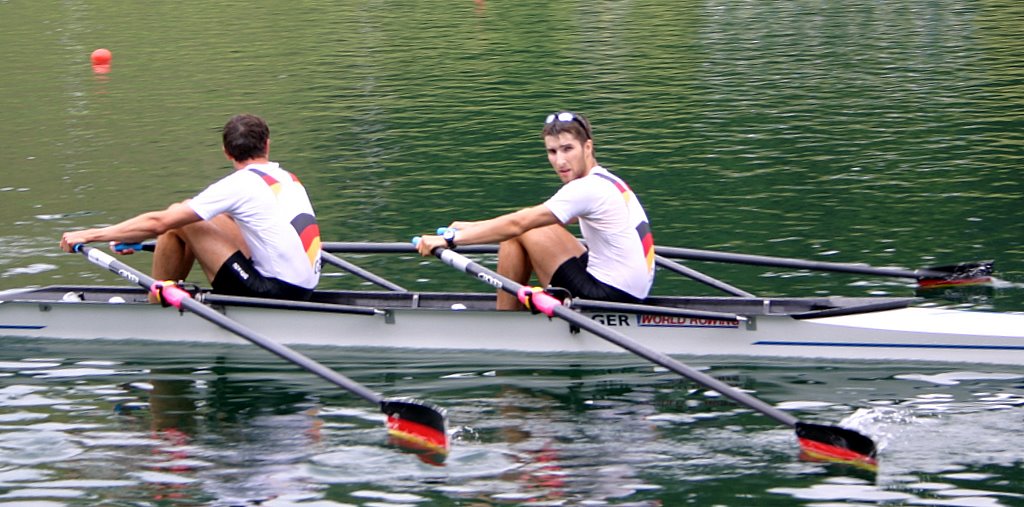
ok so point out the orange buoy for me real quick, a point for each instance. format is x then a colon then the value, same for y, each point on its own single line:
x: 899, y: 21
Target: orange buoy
x: 101, y: 57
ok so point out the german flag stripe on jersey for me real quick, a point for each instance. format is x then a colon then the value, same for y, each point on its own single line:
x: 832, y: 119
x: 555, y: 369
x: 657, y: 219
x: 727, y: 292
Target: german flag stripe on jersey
x: 644, y: 229
x: 275, y: 185
x: 305, y: 224
x: 647, y: 239
x: 626, y: 192
x: 309, y: 232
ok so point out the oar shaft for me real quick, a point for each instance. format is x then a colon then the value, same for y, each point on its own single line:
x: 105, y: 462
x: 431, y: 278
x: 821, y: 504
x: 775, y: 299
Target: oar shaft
x: 671, y: 364
x: 281, y: 351
x: 127, y: 272
x: 700, y: 277
x: 703, y: 255
x: 338, y: 262
x: 287, y: 304
x: 464, y: 264
x: 389, y: 248
x: 784, y: 262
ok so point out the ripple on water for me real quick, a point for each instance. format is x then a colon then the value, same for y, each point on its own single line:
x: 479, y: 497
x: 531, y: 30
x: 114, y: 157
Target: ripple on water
x: 42, y: 493
x: 19, y: 395
x: 844, y: 489
x: 25, y: 365
x: 956, y: 377
x: 21, y: 416
x: 73, y: 372
x: 354, y: 464
x: 36, y: 447
x: 31, y: 269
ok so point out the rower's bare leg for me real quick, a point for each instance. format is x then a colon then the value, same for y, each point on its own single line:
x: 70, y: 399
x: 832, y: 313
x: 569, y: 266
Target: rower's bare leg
x: 172, y: 258
x: 513, y: 263
x: 213, y: 241
x: 210, y: 242
x: 542, y: 250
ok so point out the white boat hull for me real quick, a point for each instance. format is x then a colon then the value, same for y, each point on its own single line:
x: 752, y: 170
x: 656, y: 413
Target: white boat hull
x: 902, y: 334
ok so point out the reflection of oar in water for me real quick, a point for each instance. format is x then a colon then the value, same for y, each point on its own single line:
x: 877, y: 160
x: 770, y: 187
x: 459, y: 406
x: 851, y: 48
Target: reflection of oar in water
x: 830, y: 443
x: 411, y: 422
x: 955, y: 274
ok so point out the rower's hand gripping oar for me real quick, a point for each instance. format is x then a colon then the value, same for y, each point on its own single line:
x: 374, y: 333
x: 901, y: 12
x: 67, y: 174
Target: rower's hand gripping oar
x: 830, y: 443
x: 411, y: 422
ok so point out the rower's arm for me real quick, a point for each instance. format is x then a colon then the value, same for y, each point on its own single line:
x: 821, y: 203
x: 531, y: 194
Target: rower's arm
x: 508, y: 226
x: 495, y: 230
x: 139, y: 228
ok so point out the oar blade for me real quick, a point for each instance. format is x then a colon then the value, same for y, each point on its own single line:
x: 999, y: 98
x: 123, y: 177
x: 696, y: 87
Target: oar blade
x: 964, y: 273
x: 418, y: 426
x: 833, y: 444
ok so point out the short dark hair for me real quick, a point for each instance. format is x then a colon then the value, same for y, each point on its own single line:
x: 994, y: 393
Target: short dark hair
x: 245, y: 137
x: 578, y: 126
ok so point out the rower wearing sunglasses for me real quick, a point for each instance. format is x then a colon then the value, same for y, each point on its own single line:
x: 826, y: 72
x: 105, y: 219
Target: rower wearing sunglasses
x: 617, y: 263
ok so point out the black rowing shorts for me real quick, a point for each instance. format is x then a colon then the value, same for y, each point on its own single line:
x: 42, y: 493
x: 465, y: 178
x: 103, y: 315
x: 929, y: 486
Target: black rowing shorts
x: 573, y: 276
x: 238, y: 277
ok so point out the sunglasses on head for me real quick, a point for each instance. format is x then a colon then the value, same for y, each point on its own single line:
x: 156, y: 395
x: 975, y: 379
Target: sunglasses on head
x: 568, y: 117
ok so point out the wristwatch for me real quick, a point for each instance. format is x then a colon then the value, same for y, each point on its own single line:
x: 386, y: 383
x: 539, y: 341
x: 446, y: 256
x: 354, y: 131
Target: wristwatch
x: 449, y: 237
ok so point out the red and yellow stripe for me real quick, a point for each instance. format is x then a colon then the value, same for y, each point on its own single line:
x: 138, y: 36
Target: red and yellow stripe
x: 305, y: 224
x: 644, y: 229
x: 647, y: 240
x: 309, y: 232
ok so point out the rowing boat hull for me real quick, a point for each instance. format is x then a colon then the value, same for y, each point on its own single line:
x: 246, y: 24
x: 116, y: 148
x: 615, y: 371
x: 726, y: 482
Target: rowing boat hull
x: 902, y: 334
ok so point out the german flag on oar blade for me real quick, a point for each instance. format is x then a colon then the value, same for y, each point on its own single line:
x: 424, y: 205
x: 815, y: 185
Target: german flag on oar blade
x: 964, y: 273
x: 416, y: 425
x: 836, y: 445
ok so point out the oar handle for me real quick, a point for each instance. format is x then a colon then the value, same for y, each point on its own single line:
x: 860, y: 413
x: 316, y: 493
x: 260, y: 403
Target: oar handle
x: 136, y: 247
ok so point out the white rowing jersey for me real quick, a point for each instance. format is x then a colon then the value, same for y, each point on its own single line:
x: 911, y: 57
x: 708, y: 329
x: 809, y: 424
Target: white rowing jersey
x: 615, y: 226
x: 273, y: 211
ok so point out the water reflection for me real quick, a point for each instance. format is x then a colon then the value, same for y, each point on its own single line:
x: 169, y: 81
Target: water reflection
x: 559, y: 430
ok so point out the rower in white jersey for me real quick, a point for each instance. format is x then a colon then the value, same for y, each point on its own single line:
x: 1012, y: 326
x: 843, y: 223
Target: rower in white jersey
x: 618, y: 262
x: 254, y: 232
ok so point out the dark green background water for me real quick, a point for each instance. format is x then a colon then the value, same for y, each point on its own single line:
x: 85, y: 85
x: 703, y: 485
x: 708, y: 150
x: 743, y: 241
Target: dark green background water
x: 888, y: 133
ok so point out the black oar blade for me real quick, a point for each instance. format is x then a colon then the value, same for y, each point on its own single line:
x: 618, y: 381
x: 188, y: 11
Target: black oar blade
x: 838, y: 445
x: 417, y: 425
x: 964, y: 273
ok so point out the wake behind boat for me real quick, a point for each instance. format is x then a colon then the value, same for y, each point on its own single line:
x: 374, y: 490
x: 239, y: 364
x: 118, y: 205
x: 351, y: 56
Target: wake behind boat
x: 835, y: 328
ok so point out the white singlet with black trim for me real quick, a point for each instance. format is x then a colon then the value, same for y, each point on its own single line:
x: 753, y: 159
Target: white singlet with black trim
x: 266, y: 202
x: 615, y: 226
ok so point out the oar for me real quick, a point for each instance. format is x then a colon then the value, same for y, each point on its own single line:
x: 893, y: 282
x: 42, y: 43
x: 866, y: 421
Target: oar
x: 412, y: 422
x: 286, y: 304
x: 965, y: 272
x: 333, y: 260
x: 830, y: 443
x: 393, y: 247
x: 956, y: 274
x: 338, y: 262
x: 701, y: 277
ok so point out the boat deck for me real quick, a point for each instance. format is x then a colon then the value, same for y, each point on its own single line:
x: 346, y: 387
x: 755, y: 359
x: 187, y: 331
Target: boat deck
x: 796, y: 307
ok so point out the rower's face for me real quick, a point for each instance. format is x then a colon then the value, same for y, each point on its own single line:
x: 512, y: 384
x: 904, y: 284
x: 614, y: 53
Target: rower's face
x: 568, y: 156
